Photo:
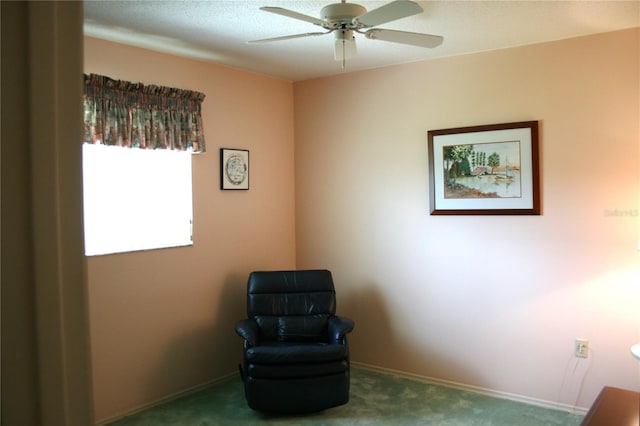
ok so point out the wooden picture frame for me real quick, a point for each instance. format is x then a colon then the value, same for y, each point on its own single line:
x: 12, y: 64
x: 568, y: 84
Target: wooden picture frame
x: 484, y: 170
x: 234, y: 169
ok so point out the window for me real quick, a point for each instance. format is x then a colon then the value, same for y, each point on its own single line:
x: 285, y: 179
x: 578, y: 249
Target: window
x: 136, y: 199
x: 137, y: 147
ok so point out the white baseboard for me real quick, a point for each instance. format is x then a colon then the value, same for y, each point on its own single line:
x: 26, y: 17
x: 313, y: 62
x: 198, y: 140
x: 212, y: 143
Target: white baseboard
x: 166, y: 399
x: 476, y: 389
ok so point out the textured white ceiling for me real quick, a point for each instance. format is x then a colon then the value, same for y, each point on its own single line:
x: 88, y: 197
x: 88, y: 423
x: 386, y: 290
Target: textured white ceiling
x: 217, y: 30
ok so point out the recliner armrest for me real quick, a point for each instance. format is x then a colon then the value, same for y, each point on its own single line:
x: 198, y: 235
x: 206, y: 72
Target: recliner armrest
x: 248, y: 329
x: 339, y: 327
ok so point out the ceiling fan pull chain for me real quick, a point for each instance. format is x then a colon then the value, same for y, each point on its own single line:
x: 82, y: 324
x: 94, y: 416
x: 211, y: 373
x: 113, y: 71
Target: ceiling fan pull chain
x: 344, y: 56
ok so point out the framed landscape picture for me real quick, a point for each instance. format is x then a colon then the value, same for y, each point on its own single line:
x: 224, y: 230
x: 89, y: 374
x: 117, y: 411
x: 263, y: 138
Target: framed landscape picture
x: 234, y: 168
x: 484, y: 170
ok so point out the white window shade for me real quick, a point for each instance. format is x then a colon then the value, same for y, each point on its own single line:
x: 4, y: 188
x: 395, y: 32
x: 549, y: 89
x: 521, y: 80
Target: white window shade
x: 136, y: 199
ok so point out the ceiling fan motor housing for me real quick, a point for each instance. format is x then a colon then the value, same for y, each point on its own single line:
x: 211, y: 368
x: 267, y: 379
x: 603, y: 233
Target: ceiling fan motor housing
x: 341, y: 13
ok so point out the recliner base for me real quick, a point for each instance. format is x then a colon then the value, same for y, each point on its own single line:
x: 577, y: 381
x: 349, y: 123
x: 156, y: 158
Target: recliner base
x: 297, y: 396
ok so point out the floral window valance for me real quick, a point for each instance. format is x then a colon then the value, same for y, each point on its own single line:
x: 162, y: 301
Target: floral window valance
x: 133, y: 115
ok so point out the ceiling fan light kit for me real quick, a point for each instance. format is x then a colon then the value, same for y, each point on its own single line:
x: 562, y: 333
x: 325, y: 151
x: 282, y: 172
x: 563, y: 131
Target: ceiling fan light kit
x: 345, y: 46
x: 343, y: 19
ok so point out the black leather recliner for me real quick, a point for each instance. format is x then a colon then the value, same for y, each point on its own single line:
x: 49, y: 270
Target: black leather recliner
x: 296, y: 355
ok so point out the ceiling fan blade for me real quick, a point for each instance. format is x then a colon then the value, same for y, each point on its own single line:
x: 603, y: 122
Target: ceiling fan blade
x: 389, y: 12
x: 288, y: 37
x: 404, y: 37
x: 291, y: 14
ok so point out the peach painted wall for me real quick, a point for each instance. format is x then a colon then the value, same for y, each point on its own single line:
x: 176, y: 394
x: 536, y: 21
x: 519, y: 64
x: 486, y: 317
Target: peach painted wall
x: 162, y: 321
x: 493, y: 302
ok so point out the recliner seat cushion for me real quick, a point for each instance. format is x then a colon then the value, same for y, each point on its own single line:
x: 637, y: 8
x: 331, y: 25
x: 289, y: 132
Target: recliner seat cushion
x: 312, y: 328
x: 295, y: 353
x: 296, y: 371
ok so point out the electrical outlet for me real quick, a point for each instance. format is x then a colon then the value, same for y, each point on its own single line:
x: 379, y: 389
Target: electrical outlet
x: 581, y: 348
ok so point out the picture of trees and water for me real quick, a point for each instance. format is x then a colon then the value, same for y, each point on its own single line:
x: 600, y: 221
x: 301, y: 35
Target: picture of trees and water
x: 482, y: 170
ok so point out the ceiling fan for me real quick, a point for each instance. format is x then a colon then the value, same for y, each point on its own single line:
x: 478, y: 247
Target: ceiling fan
x: 343, y: 19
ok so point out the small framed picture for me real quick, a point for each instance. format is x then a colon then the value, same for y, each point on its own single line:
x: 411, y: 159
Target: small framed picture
x: 234, y: 168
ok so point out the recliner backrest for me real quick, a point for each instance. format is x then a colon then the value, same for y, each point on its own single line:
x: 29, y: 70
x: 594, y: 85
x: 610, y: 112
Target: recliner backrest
x: 291, y: 306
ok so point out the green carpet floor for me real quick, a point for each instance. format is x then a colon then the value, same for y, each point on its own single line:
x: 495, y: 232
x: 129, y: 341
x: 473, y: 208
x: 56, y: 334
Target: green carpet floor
x: 376, y: 399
